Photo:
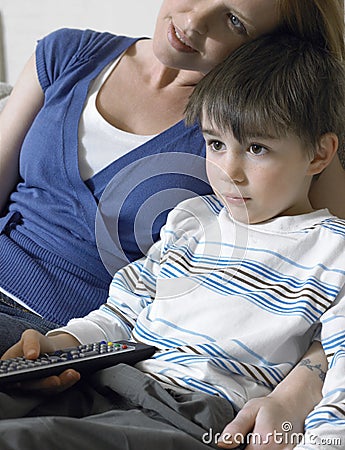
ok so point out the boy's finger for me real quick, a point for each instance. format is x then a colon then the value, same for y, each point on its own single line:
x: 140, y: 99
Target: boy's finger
x: 31, y: 344
x: 14, y: 351
x: 68, y: 378
x: 53, y: 384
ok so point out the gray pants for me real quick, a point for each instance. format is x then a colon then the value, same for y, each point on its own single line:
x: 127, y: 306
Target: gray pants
x: 117, y: 409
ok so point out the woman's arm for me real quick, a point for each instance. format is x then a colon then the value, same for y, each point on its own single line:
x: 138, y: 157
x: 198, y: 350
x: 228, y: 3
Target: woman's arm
x: 328, y: 190
x: 16, y: 118
x: 284, y: 410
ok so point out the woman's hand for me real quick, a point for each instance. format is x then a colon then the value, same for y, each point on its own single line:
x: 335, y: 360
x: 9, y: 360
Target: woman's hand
x: 269, y: 422
x: 279, y: 417
x: 31, y: 345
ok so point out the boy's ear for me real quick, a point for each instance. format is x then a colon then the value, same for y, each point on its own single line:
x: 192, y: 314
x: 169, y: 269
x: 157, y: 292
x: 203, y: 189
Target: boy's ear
x: 326, y: 149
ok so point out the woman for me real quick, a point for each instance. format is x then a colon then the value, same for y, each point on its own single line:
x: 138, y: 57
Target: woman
x: 53, y: 260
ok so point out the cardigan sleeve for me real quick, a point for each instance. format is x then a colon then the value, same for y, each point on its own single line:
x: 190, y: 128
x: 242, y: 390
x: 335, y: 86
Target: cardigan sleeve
x: 66, y: 48
x: 54, y: 53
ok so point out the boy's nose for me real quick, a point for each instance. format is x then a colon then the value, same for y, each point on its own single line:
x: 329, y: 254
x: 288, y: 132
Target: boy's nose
x: 233, y: 168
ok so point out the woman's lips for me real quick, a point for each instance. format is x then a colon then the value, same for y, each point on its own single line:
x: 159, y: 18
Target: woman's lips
x: 178, y: 40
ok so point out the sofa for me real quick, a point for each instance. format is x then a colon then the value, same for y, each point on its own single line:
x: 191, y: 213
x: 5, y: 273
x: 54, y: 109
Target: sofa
x: 5, y: 90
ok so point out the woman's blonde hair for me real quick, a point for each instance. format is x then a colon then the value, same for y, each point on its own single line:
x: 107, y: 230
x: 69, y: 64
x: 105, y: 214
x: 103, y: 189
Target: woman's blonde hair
x: 318, y: 20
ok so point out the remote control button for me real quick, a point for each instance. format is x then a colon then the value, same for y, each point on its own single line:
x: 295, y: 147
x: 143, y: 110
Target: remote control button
x: 90, y: 353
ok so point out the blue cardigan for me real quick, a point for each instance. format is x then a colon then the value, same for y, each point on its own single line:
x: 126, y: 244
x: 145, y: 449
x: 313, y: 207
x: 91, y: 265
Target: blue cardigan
x: 62, y: 238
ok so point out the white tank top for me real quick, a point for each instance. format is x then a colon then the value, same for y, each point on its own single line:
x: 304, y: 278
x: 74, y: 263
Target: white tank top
x: 100, y: 143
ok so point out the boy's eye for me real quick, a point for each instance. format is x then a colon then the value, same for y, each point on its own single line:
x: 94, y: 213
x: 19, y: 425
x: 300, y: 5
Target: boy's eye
x: 216, y: 146
x: 257, y: 149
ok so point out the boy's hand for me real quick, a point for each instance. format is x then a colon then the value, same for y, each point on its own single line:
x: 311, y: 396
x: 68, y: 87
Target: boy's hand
x: 31, y: 345
x: 270, y: 423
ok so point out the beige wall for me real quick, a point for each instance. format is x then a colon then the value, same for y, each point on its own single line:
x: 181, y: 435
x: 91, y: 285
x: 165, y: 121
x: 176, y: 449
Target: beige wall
x: 24, y: 21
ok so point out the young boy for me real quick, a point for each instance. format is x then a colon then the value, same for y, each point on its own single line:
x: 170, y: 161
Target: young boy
x: 235, y: 292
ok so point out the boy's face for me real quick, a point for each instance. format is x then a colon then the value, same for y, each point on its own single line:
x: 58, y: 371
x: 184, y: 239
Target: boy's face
x: 260, y: 179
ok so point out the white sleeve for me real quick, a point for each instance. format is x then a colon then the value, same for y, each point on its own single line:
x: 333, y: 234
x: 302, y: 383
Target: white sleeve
x: 131, y: 290
x: 95, y: 327
x: 326, y: 423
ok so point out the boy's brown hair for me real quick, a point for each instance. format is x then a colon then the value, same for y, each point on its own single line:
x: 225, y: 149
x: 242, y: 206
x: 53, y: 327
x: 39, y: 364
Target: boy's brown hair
x: 274, y: 85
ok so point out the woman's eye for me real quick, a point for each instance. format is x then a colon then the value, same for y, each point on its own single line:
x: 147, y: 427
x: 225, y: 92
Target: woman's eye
x: 257, y: 150
x: 235, y: 22
x: 216, y: 146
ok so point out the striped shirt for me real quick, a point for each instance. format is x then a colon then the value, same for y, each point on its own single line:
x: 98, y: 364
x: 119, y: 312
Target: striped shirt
x: 232, y: 308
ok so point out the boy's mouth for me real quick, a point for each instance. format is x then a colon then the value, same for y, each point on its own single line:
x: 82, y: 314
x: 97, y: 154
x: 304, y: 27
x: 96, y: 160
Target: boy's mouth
x: 235, y: 199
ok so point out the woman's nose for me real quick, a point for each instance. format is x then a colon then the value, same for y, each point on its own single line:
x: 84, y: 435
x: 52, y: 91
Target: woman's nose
x: 197, y: 19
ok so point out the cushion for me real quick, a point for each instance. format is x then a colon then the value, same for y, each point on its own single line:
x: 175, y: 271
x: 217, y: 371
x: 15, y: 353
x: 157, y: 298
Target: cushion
x: 5, y: 90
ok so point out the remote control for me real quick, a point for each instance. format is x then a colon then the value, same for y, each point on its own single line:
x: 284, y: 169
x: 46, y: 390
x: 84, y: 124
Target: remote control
x: 85, y: 359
